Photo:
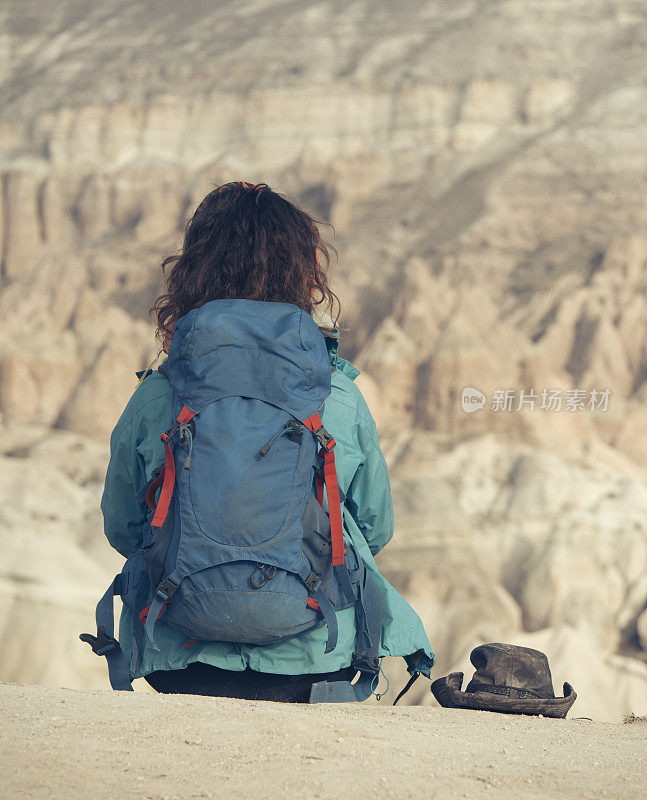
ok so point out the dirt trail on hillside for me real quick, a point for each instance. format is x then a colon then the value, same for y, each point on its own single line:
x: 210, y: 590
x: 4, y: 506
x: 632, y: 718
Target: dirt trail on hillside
x: 97, y: 744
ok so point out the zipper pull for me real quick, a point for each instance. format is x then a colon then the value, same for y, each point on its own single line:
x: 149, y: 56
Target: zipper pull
x: 292, y: 428
x: 266, y: 448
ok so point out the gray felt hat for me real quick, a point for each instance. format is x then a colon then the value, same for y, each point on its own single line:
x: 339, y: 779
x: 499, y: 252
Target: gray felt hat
x: 508, y: 679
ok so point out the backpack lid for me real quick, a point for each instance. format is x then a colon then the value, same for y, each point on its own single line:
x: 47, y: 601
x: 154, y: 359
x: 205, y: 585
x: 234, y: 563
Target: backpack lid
x: 268, y: 351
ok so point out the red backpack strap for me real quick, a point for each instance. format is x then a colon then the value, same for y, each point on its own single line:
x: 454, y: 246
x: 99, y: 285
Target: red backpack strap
x: 184, y: 416
x: 153, y: 486
x: 327, y: 443
x: 167, y: 476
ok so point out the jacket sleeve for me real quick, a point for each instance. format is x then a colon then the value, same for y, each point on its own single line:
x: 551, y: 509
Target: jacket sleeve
x: 369, y: 494
x: 123, y: 515
x: 135, y: 451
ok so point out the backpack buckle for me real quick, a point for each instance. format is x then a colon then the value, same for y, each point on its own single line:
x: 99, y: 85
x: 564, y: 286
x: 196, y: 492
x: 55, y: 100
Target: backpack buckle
x: 166, y: 590
x: 101, y: 644
x: 324, y: 438
x: 312, y: 582
x: 170, y: 433
x: 365, y: 662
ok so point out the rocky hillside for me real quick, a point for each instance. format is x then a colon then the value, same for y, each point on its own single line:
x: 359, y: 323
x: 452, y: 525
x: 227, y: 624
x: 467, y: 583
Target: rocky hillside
x: 484, y: 167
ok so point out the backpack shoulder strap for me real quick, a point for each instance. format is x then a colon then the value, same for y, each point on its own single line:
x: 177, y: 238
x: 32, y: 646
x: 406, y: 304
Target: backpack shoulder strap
x: 369, y: 605
x: 327, y: 443
x: 167, y: 476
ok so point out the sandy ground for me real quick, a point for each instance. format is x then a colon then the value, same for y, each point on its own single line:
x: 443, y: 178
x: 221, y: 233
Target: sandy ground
x: 64, y: 743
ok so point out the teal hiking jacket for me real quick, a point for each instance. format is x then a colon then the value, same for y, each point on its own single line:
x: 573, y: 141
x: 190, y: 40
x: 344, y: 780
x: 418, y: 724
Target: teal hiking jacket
x: 136, y: 450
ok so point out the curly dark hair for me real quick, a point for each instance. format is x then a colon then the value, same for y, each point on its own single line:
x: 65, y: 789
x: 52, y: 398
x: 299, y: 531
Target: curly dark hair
x: 246, y: 241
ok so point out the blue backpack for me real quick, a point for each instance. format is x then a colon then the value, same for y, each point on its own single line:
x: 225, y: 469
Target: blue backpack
x: 237, y: 545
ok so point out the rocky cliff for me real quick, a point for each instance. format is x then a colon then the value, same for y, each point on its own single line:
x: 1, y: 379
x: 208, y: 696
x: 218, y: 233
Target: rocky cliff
x: 484, y: 167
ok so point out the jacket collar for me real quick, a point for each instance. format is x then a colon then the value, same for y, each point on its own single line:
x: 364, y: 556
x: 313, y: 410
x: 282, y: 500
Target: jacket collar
x: 332, y: 337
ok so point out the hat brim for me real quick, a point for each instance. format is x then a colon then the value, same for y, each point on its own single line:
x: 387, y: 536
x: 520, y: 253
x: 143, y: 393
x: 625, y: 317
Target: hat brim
x: 448, y: 693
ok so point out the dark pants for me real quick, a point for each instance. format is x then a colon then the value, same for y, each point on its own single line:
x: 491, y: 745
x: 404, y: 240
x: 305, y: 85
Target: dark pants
x: 199, y: 678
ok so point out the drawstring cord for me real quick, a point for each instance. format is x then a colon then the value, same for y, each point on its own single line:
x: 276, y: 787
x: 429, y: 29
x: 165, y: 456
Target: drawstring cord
x: 266, y: 448
x: 375, y: 681
x: 292, y: 427
x: 186, y: 435
x: 410, y: 683
x: 150, y: 366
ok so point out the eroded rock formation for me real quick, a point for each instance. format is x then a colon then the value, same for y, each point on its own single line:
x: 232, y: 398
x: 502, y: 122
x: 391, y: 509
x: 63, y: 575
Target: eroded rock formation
x: 486, y: 180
